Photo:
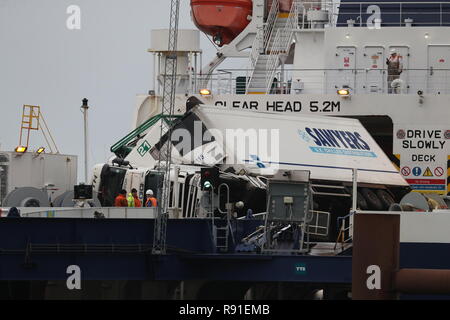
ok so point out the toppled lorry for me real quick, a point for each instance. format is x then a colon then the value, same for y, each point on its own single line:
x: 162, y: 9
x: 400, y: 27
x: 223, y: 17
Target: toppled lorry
x: 248, y: 148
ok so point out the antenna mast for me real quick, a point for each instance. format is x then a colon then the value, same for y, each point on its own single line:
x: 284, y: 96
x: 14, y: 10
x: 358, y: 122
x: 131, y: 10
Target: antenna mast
x: 165, y: 154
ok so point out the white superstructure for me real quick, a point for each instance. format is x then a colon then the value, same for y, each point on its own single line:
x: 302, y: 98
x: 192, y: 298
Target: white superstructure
x: 319, y: 48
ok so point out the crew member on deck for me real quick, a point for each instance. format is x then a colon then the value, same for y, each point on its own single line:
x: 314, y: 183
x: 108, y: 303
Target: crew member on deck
x: 395, y: 68
x: 151, y: 200
x: 121, y: 199
x: 137, y: 202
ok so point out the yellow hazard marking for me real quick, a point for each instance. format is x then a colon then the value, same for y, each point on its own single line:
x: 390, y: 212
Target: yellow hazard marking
x: 428, y: 173
x: 397, y: 163
x: 283, y: 15
x: 429, y: 191
x: 448, y: 169
x: 448, y: 174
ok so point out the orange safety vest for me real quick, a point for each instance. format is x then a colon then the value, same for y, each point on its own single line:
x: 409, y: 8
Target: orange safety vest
x: 153, y: 201
x: 121, y: 201
x: 137, y: 202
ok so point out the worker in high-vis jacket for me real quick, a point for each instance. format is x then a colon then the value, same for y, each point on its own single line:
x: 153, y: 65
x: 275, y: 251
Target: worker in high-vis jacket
x: 151, y: 200
x: 121, y: 199
x: 130, y: 199
x: 395, y: 68
x: 137, y: 201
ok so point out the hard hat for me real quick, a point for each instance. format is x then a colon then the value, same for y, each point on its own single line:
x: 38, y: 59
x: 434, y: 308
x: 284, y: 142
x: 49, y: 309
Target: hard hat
x: 393, y: 50
x: 149, y: 192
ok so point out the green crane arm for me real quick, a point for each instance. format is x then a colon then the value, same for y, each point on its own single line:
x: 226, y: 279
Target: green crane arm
x: 121, y: 149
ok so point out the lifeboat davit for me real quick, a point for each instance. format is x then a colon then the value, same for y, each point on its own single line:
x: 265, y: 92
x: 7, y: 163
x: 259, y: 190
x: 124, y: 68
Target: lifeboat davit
x: 222, y: 19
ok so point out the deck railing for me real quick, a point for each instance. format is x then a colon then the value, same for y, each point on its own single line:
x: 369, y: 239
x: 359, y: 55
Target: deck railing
x: 328, y: 81
x: 390, y: 13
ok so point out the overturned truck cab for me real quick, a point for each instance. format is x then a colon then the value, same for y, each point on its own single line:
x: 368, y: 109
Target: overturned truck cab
x: 249, y: 148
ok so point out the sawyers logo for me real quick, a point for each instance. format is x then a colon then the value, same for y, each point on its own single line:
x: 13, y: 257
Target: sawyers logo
x: 337, y: 142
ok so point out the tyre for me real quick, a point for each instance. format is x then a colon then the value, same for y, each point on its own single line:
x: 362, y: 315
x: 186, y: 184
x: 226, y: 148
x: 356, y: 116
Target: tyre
x: 395, y: 207
x: 372, y: 200
x: 385, y: 198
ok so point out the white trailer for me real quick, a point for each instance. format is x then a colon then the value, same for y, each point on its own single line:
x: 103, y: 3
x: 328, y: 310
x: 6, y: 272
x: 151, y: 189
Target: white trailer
x: 261, y: 143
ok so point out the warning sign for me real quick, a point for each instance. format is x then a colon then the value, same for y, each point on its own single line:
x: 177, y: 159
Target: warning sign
x: 406, y: 171
x: 438, y: 172
x: 428, y: 173
x: 401, y: 134
x: 417, y: 171
x: 424, y: 149
x: 427, y: 184
x: 346, y: 62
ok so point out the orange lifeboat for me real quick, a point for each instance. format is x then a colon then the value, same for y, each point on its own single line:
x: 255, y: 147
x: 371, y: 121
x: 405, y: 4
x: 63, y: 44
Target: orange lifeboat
x: 222, y: 19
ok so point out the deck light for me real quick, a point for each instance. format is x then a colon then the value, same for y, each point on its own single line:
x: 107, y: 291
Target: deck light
x: 205, y: 92
x: 40, y: 150
x: 345, y: 91
x: 21, y: 149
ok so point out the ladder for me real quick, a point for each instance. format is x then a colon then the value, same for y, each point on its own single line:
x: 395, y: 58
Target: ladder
x: 282, y: 42
x: 220, y: 232
x: 33, y: 119
x: 223, y: 231
x: 269, y: 47
x: 258, y: 57
x: 221, y: 238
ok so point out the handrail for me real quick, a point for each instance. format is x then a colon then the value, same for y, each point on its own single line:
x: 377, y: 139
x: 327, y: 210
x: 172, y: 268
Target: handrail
x: 271, y: 18
x: 260, y: 43
x: 343, y: 228
x: 402, y: 9
x: 316, y: 226
x: 256, y: 51
x: 281, y: 44
x: 272, y: 62
x: 325, y: 80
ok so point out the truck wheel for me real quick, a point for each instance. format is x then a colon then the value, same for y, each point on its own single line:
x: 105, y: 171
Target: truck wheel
x: 372, y: 200
x: 361, y: 202
x: 385, y: 198
x: 395, y: 207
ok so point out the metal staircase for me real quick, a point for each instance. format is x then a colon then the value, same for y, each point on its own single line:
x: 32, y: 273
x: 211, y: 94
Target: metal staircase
x: 281, y: 43
x: 270, y: 45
